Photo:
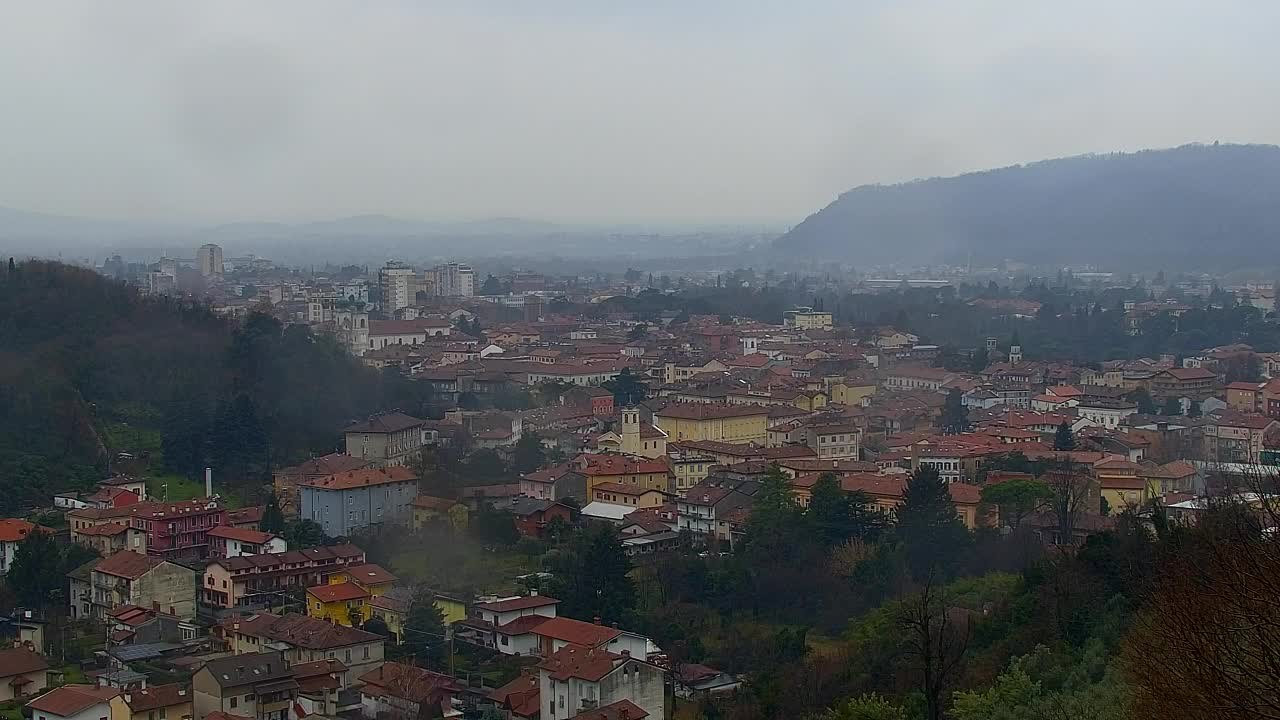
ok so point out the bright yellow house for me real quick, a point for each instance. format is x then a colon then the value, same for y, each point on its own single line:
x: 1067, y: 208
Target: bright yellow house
x: 724, y: 423
x: 341, y: 603
x: 347, y: 595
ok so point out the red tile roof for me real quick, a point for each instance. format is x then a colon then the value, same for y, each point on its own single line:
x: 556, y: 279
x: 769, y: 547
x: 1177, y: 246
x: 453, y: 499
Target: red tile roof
x: 157, y: 696
x: 597, y: 465
x: 127, y: 564
x: 12, y: 530
x: 71, y: 699
x: 18, y: 661
x: 369, y: 574
x: 708, y: 411
x: 340, y: 592
x: 620, y: 710
x: 579, y: 661
x: 577, y: 632
x: 361, y: 478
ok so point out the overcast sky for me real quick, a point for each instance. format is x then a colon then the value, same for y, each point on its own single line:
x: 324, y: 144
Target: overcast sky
x: 598, y: 110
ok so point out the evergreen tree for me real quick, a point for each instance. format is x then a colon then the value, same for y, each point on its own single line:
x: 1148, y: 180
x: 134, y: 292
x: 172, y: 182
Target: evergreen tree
x: 980, y: 360
x: 424, y: 633
x: 1063, y: 438
x: 40, y: 566
x: 627, y: 389
x: 1015, y: 499
x: 528, y: 454
x: 1142, y: 398
x: 931, y: 535
x: 272, y: 518
x: 955, y: 416
x: 829, y: 512
x: 773, y: 527
x: 1172, y: 406
x: 590, y: 577
x: 1194, y: 409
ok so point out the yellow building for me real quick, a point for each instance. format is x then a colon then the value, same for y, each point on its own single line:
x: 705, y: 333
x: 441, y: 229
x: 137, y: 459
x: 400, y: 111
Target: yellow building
x: 341, y: 603
x: 723, y: 423
x: 348, y: 592
x: 632, y: 471
x: 852, y: 392
x: 158, y: 702
x: 806, y: 318
x: 632, y: 496
x: 1122, y: 485
x: 427, y: 509
x: 452, y: 608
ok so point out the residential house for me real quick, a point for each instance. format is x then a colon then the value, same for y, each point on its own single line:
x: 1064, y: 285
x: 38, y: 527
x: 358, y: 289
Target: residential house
x: 347, y: 592
x: 343, y: 604
x: 652, y: 474
x: 1123, y: 484
x: 398, y: 690
x: 229, y: 542
x: 137, y: 486
x: 1195, y: 383
x: 173, y: 530
x: 886, y: 494
x: 250, y: 580
x: 585, y: 375
x: 1236, y: 437
x: 319, y: 683
x: 575, y: 679
x: 73, y: 702
x: 555, y: 483
x: 129, y: 578
x: 711, y: 508
x: 1245, y: 397
x: 833, y: 440
x: 23, y: 672
x: 342, y: 504
x: 518, y: 699
x: 257, y: 685
x: 507, y: 624
x: 693, y: 680
x: 12, y: 532
x: 632, y: 496
x: 112, y: 537
x: 390, y: 439
x: 531, y: 516
x: 305, y: 639
x: 725, y: 423
x: 286, y: 479
x: 428, y: 509
x: 156, y: 702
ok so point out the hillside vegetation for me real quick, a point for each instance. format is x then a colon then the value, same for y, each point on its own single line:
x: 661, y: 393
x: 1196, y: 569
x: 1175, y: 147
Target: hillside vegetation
x: 89, y: 369
x: 1173, y: 208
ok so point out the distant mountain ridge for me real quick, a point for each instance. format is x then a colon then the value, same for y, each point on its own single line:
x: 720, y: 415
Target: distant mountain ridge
x: 1195, y: 203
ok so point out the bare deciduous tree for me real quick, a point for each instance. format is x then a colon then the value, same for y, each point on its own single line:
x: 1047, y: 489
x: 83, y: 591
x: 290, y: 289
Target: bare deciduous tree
x: 937, y: 638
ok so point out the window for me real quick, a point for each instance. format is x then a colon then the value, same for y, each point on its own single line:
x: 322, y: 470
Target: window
x: 235, y: 701
x: 162, y: 714
x: 348, y: 657
x: 366, y: 652
x: 504, y: 640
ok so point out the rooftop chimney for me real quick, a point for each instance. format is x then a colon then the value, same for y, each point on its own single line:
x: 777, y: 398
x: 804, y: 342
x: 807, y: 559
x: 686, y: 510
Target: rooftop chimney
x: 597, y: 619
x: 208, y: 482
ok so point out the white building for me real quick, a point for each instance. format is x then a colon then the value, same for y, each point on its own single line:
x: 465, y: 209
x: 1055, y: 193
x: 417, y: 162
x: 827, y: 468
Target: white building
x: 73, y: 702
x: 209, y: 260
x: 396, y: 280
x: 452, y: 280
x: 577, y: 679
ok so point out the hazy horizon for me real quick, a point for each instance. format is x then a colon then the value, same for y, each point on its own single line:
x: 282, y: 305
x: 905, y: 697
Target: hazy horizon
x: 573, y: 112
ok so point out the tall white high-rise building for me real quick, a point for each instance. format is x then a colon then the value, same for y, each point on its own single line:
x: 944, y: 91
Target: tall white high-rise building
x: 453, y: 280
x: 209, y: 260
x: 396, y: 281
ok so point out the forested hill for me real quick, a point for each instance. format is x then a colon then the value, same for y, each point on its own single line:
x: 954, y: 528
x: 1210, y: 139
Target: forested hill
x: 1179, y: 207
x: 89, y: 368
